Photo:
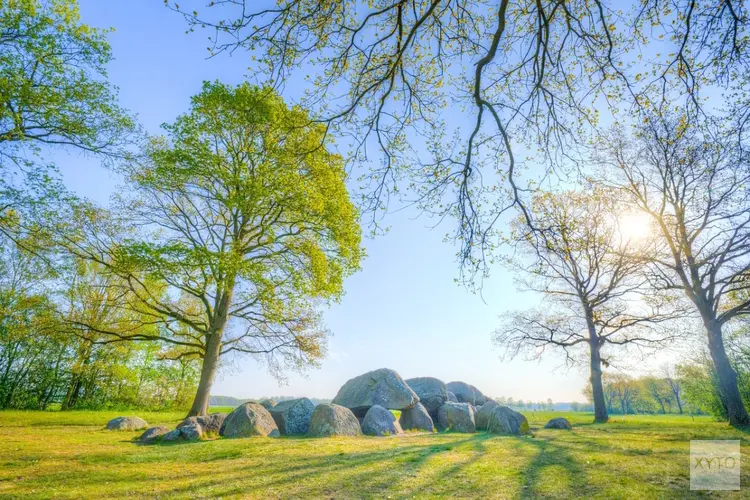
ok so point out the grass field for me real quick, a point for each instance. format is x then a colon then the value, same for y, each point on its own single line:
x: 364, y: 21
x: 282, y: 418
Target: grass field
x: 69, y: 455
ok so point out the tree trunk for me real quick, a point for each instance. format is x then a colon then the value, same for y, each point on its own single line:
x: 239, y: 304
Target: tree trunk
x: 208, y: 371
x: 211, y: 356
x: 730, y: 392
x: 679, y: 403
x: 597, y: 389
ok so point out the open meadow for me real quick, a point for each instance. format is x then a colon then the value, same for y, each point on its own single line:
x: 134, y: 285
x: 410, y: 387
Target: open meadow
x: 70, y: 455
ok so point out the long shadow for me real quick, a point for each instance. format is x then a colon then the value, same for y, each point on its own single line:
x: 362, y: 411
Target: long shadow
x: 551, y: 454
x: 372, y: 469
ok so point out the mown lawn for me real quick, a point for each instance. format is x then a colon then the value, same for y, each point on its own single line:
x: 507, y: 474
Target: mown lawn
x: 70, y: 455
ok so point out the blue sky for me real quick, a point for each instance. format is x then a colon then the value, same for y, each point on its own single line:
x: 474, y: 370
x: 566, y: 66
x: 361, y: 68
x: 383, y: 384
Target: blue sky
x: 402, y: 311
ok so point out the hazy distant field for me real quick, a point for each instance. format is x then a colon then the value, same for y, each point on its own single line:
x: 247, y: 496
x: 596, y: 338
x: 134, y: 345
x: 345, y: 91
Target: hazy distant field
x: 69, y: 455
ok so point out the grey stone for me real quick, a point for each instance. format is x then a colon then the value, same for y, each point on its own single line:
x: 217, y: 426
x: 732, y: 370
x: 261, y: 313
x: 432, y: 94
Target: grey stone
x: 460, y: 417
x: 559, y: 423
x: 191, y: 432
x: 417, y: 418
x: 463, y: 391
x: 431, y: 392
x: 479, y: 397
x: 209, y: 423
x: 441, y: 417
x: 333, y: 420
x: 293, y: 417
x: 383, y: 387
x: 503, y: 420
x: 153, y: 434
x: 249, y: 419
x: 482, y: 417
x: 380, y: 422
x: 127, y: 424
x: 171, y: 436
x: 451, y: 398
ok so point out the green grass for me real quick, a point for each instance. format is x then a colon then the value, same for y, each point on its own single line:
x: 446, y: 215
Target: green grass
x: 70, y: 455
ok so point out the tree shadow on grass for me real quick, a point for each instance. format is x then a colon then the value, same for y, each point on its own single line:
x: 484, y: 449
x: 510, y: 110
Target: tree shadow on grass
x: 551, y: 462
x: 332, y: 473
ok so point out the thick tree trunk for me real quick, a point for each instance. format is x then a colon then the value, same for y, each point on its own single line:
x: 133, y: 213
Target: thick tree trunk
x: 597, y: 389
x: 208, y: 371
x: 212, y: 354
x: 727, y: 376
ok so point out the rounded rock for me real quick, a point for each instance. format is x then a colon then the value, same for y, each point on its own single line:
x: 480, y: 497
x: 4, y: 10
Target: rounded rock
x: 432, y: 392
x: 127, y: 424
x: 463, y: 391
x: 293, y: 417
x: 559, y: 423
x: 383, y: 387
x: 380, y: 422
x: 153, y: 435
x: 249, y: 419
x: 417, y: 418
x: 333, y: 420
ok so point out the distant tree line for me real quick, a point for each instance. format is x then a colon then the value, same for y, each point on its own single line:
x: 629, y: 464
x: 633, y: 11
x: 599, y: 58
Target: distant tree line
x: 520, y: 404
x: 44, y: 362
x: 690, y: 388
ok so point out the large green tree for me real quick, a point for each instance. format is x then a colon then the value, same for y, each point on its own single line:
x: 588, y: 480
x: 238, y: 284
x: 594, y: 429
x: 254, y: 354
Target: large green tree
x: 240, y: 225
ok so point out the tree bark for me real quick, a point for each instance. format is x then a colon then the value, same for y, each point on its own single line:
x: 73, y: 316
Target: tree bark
x: 597, y: 389
x: 211, y: 356
x: 208, y: 371
x: 730, y: 392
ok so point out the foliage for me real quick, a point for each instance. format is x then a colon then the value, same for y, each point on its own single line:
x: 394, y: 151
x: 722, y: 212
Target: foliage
x: 524, y: 78
x: 53, y: 82
x: 53, y: 94
x: 43, y: 362
x: 233, y: 230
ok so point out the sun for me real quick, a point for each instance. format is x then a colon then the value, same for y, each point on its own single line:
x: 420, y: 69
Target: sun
x: 634, y: 226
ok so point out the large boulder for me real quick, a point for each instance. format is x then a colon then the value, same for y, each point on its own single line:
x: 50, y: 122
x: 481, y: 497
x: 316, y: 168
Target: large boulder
x: 380, y: 422
x: 441, y: 417
x: 503, y: 420
x: 383, y: 387
x: 171, y: 436
x: 209, y: 423
x: 127, y: 424
x: 153, y: 435
x: 452, y: 398
x: 482, y: 417
x: 249, y: 419
x: 333, y: 420
x: 431, y: 392
x: 559, y: 423
x: 463, y: 391
x: 460, y: 417
x: 417, y: 419
x: 479, y: 397
x: 191, y: 432
x: 293, y: 416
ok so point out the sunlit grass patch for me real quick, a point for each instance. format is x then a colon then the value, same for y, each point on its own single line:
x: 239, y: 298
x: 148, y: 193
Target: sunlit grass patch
x: 70, y: 455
